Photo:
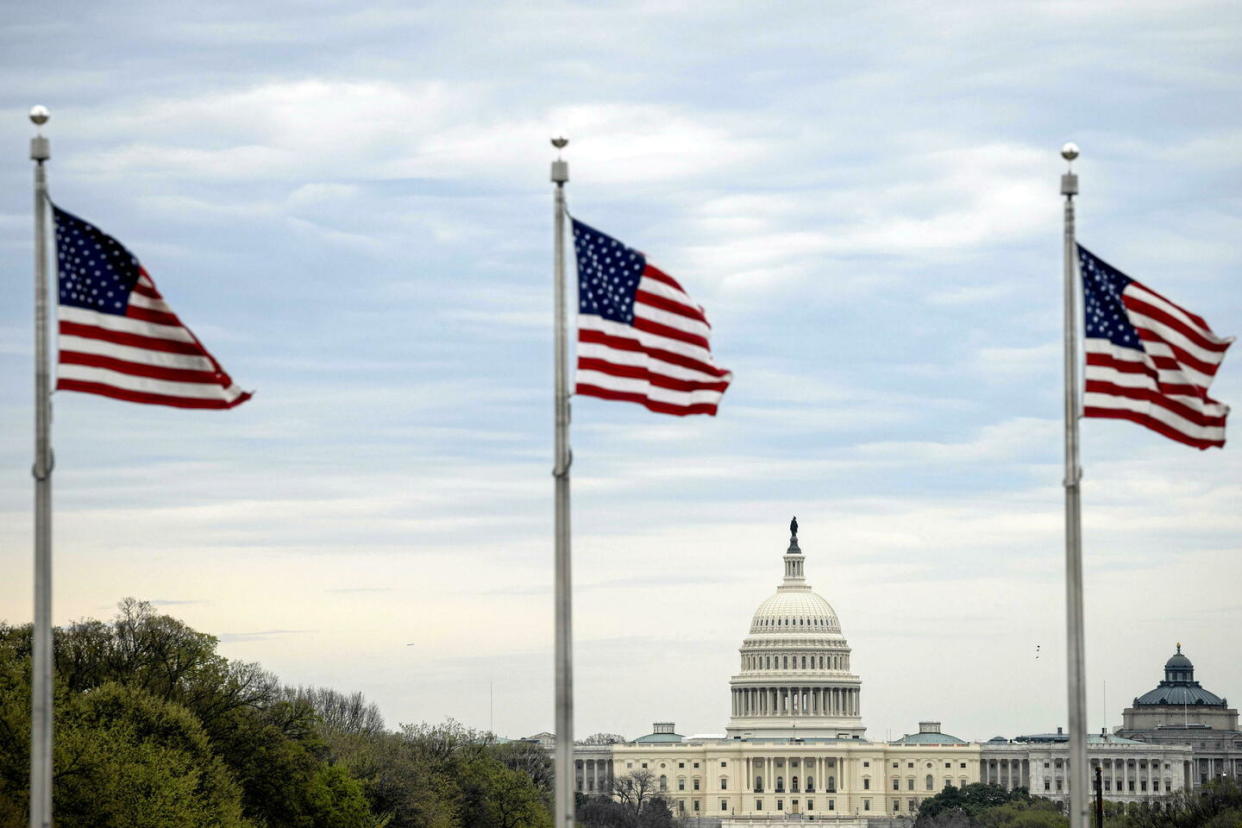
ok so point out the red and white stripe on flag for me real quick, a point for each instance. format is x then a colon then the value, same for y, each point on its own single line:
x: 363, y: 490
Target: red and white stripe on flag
x: 661, y: 359
x: 146, y: 356
x: 1164, y: 384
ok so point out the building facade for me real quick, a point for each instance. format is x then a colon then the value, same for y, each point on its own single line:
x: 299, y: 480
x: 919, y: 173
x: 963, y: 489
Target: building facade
x: 1130, y: 771
x: 1179, y: 711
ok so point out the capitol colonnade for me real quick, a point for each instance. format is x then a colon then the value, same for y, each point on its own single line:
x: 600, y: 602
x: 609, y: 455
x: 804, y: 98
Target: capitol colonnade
x: 751, y: 702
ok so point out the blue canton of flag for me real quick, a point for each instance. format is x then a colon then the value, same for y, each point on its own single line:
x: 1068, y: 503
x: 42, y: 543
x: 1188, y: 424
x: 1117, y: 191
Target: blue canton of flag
x: 608, y: 274
x: 1105, y: 312
x: 96, y: 272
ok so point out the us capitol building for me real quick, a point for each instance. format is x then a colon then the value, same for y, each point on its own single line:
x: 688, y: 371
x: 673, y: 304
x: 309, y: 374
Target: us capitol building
x: 795, y: 747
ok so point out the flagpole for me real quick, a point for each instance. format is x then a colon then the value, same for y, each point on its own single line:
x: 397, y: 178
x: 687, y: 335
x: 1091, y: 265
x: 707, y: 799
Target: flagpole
x: 41, y: 645
x: 1075, y: 651
x: 564, y: 756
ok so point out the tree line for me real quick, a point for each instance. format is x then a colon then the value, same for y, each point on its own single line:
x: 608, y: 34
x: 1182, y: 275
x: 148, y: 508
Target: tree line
x: 1215, y: 805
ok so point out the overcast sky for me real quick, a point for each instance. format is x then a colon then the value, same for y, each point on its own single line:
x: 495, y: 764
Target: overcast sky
x: 350, y: 205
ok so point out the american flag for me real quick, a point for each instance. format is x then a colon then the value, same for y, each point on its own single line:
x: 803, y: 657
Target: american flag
x: 641, y: 338
x: 118, y: 337
x: 1149, y: 360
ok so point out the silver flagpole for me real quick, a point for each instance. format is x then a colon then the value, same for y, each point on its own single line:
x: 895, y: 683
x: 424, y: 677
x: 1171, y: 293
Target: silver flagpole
x: 564, y: 761
x: 1080, y: 796
x: 41, y: 678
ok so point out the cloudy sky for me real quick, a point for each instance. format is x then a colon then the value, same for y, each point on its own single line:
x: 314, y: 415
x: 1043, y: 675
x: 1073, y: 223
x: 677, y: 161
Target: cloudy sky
x: 349, y: 203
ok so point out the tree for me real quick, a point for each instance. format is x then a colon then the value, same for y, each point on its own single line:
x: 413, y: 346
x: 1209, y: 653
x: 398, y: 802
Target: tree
x: 533, y: 761
x: 635, y: 789
x: 603, y: 739
x: 1217, y: 804
x: 969, y: 800
x: 605, y: 812
x: 495, y: 796
x: 144, y: 679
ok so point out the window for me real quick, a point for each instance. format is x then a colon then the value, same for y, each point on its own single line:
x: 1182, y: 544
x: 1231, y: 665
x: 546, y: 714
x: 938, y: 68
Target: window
x: 681, y: 783
x: 896, y: 784
x: 963, y: 764
x: 696, y: 764
x: 644, y: 764
x: 695, y: 805
x: 681, y: 764
x: 758, y: 784
x: 780, y: 784
x: 664, y: 783
x: 866, y: 783
x: 726, y: 764
x: 896, y: 805
x: 696, y: 783
x: 780, y: 804
x: 832, y: 804
x: 894, y: 764
x: 832, y: 785
x: 629, y: 764
x: 866, y: 764
x: 724, y: 804
x: 909, y: 764
x: 758, y: 804
x: 931, y: 783
x: 948, y: 764
x: 724, y: 783
x: 912, y: 805
x: 866, y: 804
x: 810, y: 804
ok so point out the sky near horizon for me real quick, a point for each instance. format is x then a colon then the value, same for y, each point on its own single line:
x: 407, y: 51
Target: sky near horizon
x: 350, y: 206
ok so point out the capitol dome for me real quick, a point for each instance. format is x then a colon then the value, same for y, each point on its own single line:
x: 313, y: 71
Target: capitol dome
x: 795, y: 679
x: 795, y: 611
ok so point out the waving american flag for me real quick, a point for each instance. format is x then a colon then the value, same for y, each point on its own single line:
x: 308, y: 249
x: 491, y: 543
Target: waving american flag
x: 118, y: 337
x: 641, y: 338
x: 1148, y: 360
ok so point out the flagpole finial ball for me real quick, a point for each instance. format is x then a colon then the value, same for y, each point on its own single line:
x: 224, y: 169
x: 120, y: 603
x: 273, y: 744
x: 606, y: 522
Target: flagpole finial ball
x: 39, y: 115
x: 1070, y: 151
x: 560, y: 143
